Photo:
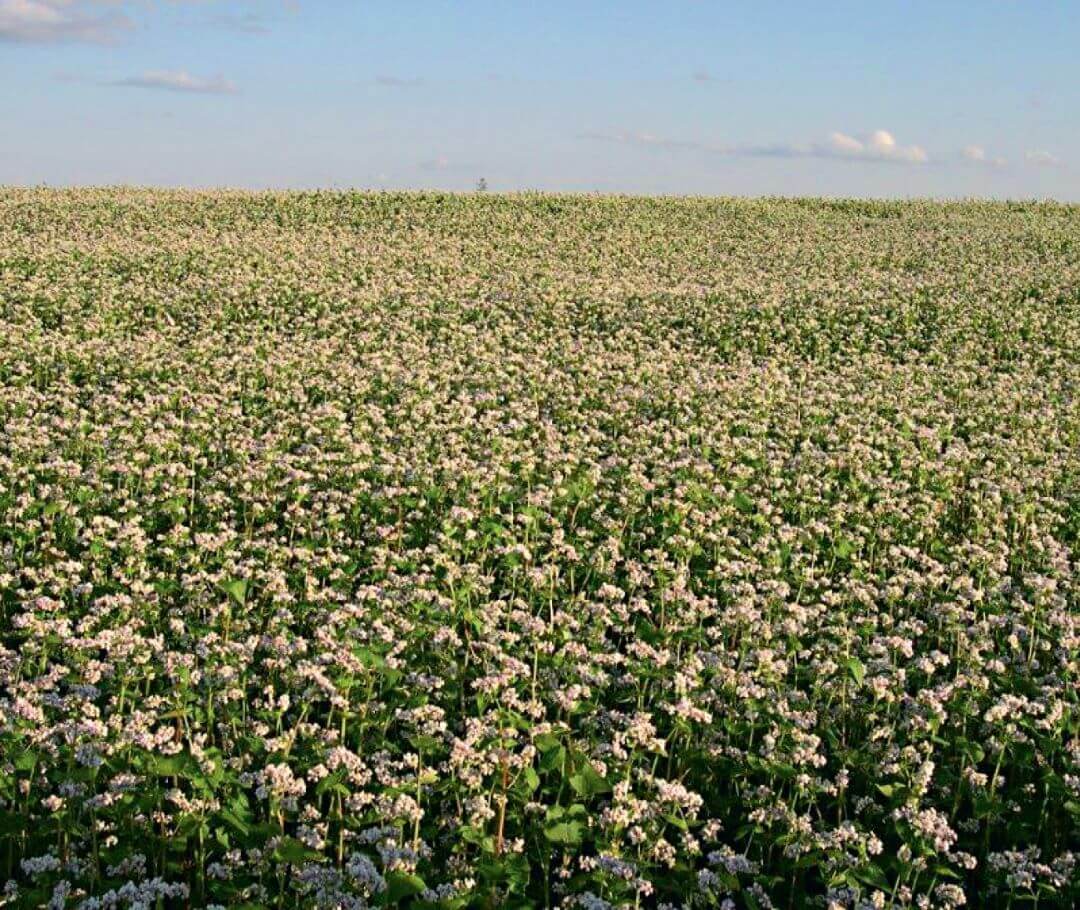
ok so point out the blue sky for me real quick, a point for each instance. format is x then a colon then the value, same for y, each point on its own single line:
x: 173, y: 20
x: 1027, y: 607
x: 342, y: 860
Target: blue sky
x: 946, y: 98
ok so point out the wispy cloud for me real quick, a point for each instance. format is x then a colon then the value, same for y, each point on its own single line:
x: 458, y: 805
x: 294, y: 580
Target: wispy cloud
x: 178, y: 81
x: 245, y: 23
x: 976, y: 154
x: 1042, y: 159
x: 399, y: 81
x: 441, y: 163
x: 879, y: 146
x: 56, y: 21
x: 647, y: 139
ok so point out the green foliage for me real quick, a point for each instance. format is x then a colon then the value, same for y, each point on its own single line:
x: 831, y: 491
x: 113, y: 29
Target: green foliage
x: 477, y: 551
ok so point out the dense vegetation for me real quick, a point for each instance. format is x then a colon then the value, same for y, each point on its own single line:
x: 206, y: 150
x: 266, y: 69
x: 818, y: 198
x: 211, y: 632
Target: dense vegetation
x: 532, y: 551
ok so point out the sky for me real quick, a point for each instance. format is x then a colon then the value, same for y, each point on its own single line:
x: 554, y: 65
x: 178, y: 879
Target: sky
x: 950, y: 98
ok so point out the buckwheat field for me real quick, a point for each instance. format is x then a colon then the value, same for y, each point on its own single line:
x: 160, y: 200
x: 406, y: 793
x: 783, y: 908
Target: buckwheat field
x: 429, y: 551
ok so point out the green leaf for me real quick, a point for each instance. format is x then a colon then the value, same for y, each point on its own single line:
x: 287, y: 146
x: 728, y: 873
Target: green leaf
x: 545, y: 742
x: 333, y: 783
x: 26, y: 761
x: 586, y: 782
x: 235, y: 821
x: 508, y: 871
x: 400, y: 885
x: 182, y: 764
x: 873, y: 876
x: 472, y: 835
x: 744, y: 504
x: 855, y: 669
x: 290, y: 850
x: 565, y: 834
x: 946, y: 872
x: 425, y: 743
x: 553, y: 759
x: 236, y: 589
x: 984, y: 805
x: 530, y: 780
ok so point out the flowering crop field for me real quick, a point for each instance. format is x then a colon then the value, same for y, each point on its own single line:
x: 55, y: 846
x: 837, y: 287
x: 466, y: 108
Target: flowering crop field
x: 425, y: 550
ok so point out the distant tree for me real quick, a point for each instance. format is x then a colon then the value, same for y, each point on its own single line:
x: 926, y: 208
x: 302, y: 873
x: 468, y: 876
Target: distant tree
x: 481, y: 185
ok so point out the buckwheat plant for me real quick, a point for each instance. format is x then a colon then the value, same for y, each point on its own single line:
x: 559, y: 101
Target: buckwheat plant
x: 435, y: 551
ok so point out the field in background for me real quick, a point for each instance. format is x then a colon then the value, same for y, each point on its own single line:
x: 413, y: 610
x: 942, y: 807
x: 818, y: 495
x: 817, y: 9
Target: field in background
x: 531, y: 551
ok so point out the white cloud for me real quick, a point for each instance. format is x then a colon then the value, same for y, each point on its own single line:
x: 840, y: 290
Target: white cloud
x: 51, y: 21
x: 976, y: 154
x: 883, y: 142
x: 1043, y: 159
x: 845, y: 144
x: 96, y: 21
x: 178, y: 81
x: 879, y: 146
